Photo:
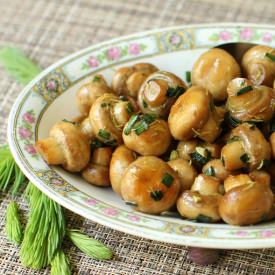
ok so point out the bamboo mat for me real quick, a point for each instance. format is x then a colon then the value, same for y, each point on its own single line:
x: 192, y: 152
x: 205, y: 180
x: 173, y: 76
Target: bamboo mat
x: 50, y: 29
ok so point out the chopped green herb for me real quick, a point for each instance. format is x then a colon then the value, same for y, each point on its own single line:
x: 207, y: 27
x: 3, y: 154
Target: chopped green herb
x: 104, y: 104
x: 68, y: 121
x: 149, y: 118
x: 244, y: 158
x: 131, y: 203
x: 130, y: 124
x: 167, y: 180
x: 104, y: 134
x: 112, y: 142
x: 97, y: 144
x: 188, y: 76
x: 175, y: 91
x: 156, y: 195
x: 233, y: 139
x: 233, y: 122
x: 270, y: 56
x: 203, y: 218
x: 141, y: 127
x: 123, y: 98
x: 264, y: 164
x: 210, y: 171
x: 144, y: 103
x: 96, y: 78
x: 244, y: 90
x: 129, y: 108
x: 201, y: 155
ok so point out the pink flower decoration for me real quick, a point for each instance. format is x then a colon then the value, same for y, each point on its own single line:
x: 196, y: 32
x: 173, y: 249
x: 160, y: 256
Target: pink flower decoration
x: 93, y: 62
x: 57, y: 182
x: 241, y: 233
x: 134, y: 218
x: 91, y: 202
x: 30, y: 149
x: 24, y: 133
x: 267, y: 37
x: 246, y: 34
x: 28, y: 118
x: 51, y: 85
x: 134, y: 49
x: 110, y: 212
x: 175, y: 39
x: 225, y: 35
x: 113, y: 53
x: 267, y: 233
x: 187, y: 229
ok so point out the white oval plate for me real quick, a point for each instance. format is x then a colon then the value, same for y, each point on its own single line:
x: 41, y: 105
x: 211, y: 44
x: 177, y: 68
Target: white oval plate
x: 50, y: 97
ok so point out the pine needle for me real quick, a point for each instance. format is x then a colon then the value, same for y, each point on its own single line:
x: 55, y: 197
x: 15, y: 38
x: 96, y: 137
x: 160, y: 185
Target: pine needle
x: 89, y: 246
x: 18, y: 65
x: 13, y: 225
x: 60, y: 264
x: 10, y: 174
x: 44, y: 231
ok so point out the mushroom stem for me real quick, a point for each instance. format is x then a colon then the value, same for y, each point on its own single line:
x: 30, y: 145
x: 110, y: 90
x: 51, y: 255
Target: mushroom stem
x: 231, y: 155
x: 51, y: 151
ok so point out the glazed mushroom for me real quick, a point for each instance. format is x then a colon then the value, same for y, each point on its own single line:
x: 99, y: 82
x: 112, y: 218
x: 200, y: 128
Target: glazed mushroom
x: 246, y: 148
x: 108, y: 116
x: 195, y: 115
x: 215, y: 168
x: 97, y: 172
x: 86, y: 128
x: 186, y: 172
x: 66, y: 146
x: 150, y: 185
x: 207, y: 185
x: 249, y: 103
x: 203, y: 208
x: 159, y: 92
x: 128, y: 80
x: 89, y: 92
x: 213, y: 71
x: 147, y: 135
x: 259, y: 65
x: 121, y: 159
x: 247, y: 203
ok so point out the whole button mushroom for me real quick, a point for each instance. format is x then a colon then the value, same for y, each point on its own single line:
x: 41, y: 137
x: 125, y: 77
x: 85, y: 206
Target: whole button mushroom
x: 128, y: 80
x: 249, y: 103
x: 89, y: 92
x: 247, y: 203
x: 259, y: 65
x: 87, y: 129
x: 147, y: 135
x: 97, y: 172
x: 150, y: 185
x: 108, y: 116
x: 66, y: 146
x: 159, y: 92
x: 195, y: 115
x: 246, y: 148
x: 121, y: 159
x: 213, y: 71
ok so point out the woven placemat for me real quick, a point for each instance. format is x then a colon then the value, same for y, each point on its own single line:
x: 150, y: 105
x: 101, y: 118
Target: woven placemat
x: 50, y: 29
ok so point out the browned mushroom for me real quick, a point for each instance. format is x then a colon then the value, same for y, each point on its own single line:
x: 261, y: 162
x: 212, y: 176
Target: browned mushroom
x: 159, y: 92
x: 128, y: 80
x: 89, y: 92
x: 207, y: 185
x: 66, y: 146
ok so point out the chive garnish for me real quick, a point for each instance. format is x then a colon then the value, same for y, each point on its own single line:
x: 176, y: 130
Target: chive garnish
x: 97, y: 144
x: 209, y: 171
x: 130, y: 124
x: 201, y: 155
x: 175, y: 91
x: 96, y: 79
x: 244, y: 90
x: 104, y: 134
x: 129, y: 108
x: 123, y: 98
x: 188, y: 76
x: 149, y: 118
x: 167, y: 180
x: 264, y: 164
x: 244, y: 158
x: 112, y: 142
x: 156, y: 195
x: 233, y: 139
x: 141, y: 127
x: 270, y: 56
x: 203, y: 218
x: 144, y: 103
x: 233, y: 122
x: 131, y: 203
x: 69, y: 121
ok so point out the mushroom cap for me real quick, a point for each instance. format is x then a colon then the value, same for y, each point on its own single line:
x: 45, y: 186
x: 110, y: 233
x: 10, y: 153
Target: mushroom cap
x: 74, y: 144
x: 143, y: 184
x: 97, y: 175
x: 190, y: 113
x: 213, y: 70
